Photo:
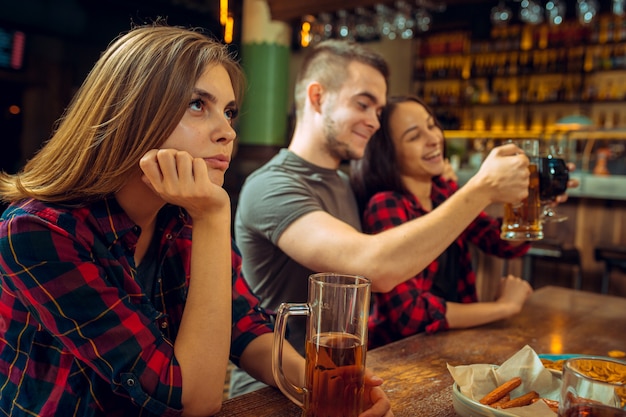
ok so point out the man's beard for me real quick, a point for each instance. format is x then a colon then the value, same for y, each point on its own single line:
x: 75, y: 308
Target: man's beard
x: 335, y: 147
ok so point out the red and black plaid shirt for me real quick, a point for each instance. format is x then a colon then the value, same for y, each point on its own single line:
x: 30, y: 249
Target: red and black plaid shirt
x: 79, y: 336
x: 411, y: 307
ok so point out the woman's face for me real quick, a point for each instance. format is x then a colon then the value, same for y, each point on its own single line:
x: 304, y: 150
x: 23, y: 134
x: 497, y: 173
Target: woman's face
x: 205, y: 130
x: 418, y: 141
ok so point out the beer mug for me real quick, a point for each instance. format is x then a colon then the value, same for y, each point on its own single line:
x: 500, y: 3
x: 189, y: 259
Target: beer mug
x: 336, y: 340
x: 522, y: 221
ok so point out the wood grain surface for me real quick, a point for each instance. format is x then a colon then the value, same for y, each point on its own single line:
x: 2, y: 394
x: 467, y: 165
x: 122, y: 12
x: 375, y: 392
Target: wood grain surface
x: 555, y: 320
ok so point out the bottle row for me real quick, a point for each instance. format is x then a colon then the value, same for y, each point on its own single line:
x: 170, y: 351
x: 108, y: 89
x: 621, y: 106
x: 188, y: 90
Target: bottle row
x: 580, y: 59
x: 610, y: 117
x: 606, y: 29
x: 547, y: 89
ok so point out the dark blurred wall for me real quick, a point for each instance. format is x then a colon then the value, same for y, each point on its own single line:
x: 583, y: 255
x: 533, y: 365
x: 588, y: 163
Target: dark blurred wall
x: 63, y: 39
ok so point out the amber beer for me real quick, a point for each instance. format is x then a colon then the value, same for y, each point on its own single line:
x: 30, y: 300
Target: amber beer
x: 523, y: 221
x: 335, y: 368
x: 593, y: 410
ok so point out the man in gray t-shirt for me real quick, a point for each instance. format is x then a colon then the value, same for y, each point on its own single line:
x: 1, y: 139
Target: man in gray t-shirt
x: 277, y: 194
x: 297, y: 214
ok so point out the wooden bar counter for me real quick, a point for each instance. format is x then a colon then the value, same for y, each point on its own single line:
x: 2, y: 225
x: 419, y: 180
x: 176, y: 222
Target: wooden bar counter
x: 554, y: 320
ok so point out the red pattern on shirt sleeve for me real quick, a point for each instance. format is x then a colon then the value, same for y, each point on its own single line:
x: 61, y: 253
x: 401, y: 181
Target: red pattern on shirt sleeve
x: 409, y: 308
x: 249, y: 319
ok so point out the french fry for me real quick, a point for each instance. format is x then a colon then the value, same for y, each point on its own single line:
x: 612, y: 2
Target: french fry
x: 520, y: 401
x: 501, y: 391
x: 504, y: 399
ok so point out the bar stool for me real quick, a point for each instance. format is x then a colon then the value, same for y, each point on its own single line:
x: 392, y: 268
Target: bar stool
x: 613, y: 257
x: 552, y: 251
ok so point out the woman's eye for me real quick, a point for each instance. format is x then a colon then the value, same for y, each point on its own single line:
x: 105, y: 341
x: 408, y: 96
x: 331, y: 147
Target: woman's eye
x: 231, y: 114
x: 197, y: 105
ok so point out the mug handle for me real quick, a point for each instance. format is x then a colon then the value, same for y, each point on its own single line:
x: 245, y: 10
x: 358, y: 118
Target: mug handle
x: 291, y: 391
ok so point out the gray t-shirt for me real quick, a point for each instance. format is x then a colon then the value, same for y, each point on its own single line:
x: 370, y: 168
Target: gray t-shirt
x: 271, y: 198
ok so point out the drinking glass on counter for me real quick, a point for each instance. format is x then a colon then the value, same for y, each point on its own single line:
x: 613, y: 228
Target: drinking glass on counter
x: 522, y: 221
x: 337, y: 311
x: 593, y: 387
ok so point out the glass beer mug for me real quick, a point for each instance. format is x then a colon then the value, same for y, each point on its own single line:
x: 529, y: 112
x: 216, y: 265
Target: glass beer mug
x: 522, y: 221
x: 336, y: 340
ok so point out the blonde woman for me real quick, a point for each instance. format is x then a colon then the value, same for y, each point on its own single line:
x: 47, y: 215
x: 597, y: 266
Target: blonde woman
x: 106, y: 307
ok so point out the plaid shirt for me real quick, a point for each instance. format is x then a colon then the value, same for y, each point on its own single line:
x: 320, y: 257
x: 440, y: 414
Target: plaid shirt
x: 79, y: 335
x: 411, y: 307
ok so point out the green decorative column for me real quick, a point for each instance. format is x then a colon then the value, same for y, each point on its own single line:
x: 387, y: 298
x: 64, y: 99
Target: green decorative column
x: 265, y: 60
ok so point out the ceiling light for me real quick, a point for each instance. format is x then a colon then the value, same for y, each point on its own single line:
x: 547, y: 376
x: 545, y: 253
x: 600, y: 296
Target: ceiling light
x: 531, y: 12
x: 555, y: 12
x: 586, y: 10
x: 501, y: 14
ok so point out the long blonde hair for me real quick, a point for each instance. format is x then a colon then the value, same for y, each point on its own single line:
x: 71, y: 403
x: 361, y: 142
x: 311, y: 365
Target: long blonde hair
x: 130, y: 102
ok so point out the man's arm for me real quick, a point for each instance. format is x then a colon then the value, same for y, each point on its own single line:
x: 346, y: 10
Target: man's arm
x: 256, y: 360
x: 323, y: 243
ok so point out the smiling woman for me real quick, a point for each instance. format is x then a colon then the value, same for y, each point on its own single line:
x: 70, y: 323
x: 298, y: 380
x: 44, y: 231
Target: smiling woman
x: 400, y: 178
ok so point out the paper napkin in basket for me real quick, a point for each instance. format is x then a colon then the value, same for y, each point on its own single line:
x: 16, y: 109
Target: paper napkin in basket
x: 477, y: 380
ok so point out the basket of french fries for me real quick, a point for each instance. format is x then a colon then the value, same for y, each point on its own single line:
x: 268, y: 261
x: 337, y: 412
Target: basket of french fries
x: 521, y: 386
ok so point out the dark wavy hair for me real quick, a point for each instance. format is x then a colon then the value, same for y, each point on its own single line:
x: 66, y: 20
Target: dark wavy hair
x: 378, y: 170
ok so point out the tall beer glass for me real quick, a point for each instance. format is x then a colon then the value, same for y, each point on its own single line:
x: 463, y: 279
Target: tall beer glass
x: 522, y: 221
x: 336, y: 341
